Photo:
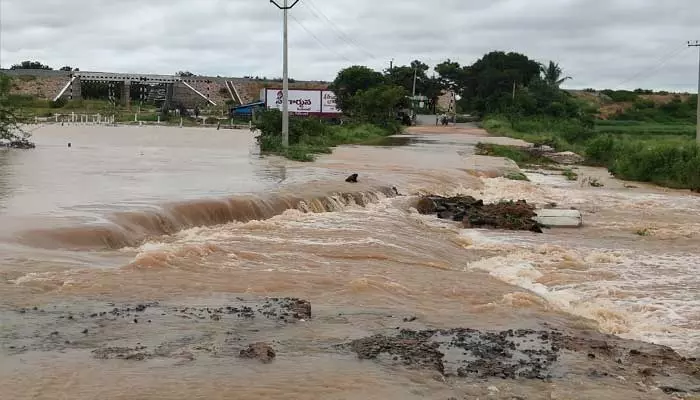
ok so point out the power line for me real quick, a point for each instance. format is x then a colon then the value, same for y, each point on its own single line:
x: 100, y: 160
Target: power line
x: 341, y: 35
x: 659, y: 63
x: 318, y: 40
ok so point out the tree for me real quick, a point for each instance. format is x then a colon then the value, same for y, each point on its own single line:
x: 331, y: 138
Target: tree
x: 9, y: 126
x: 378, y: 105
x: 487, y: 85
x: 452, y: 75
x: 351, y: 80
x: 552, y: 74
x: 30, y: 65
x: 184, y: 73
x: 67, y: 68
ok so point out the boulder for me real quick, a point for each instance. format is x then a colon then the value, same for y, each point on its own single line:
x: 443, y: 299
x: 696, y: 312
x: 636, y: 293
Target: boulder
x: 565, y: 157
x: 261, y: 351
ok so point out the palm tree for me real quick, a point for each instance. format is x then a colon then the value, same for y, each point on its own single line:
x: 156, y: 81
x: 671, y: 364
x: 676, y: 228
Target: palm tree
x: 552, y: 74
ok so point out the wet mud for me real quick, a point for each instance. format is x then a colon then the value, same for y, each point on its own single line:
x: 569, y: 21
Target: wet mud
x: 257, y: 331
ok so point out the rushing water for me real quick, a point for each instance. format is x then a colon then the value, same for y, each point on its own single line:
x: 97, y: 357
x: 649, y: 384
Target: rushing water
x: 144, y: 213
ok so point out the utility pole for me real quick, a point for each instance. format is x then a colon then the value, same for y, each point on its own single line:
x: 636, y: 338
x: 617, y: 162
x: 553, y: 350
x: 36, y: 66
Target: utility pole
x: 697, y: 44
x: 285, y: 73
x: 391, y: 65
x: 415, y: 72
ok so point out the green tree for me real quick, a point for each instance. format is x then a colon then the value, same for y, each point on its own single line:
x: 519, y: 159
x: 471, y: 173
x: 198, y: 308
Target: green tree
x: 30, y: 65
x: 378, y: 105
x: 403, y: 76
x: 9, y: 126
x: 552, y: 74
x: 452, y: 75
x: 353, y: 79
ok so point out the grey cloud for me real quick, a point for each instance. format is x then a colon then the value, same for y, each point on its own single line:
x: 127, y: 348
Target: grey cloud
x: 600, y: 43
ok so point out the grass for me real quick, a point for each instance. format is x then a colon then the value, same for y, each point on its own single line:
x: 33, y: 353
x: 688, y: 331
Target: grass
x: 306, y: 146
x: 516, y: 176
x: 640, y: 128
x: 663, y: 154
x: 521, y: 156
x: 570, y: 175
x: 643, y: 232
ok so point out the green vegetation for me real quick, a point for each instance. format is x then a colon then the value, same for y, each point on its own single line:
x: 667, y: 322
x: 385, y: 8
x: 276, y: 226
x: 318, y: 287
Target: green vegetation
x: 637, y: 129
x: 308, y: 137
x: 370, y: 104
x: 9, y: 122
x: 672, y: 161
x: 570, y: 175
x: 521, y: 156
x: 675, y: 111
x: 650, y: 141
x: 516, y: 176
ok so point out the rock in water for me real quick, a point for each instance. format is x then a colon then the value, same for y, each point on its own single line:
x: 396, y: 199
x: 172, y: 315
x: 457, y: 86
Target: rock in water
x: 261, y: 351
x: 352, y: 178
x: 475, y: 214
x: 426, y: 205
x: 565, y: 157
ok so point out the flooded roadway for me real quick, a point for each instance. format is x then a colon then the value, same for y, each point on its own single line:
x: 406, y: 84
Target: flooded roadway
x: 192, y: 217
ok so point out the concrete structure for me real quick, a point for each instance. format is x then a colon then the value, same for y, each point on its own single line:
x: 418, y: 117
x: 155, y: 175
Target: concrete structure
x: 559, y: 218
x: 189, y: 91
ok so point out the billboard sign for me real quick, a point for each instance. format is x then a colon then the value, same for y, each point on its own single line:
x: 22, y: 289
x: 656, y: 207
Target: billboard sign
x: 302, y: 101
x: 328, y: 103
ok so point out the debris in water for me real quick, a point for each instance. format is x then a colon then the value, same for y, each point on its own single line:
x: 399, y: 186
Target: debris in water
x: 511, y: 215
x: 352, y: 178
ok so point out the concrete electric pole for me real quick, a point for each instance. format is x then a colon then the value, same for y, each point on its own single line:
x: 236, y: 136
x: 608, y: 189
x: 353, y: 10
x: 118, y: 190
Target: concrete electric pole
x: 285, y: 73
x: 697, y: 132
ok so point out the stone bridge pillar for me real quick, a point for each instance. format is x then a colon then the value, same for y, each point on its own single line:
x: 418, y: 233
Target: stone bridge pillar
x: 126, y: 94
x: 74, y: 90
x: 169, y: 91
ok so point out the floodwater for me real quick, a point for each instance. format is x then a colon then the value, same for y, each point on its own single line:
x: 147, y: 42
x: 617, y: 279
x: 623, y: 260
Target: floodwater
x: 194, y: 216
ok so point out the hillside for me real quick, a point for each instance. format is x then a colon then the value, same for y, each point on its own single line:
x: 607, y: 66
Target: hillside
x: 611, y: 103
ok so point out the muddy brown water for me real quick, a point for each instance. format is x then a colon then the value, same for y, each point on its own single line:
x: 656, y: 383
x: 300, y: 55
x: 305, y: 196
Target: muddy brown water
x: 196, y: 218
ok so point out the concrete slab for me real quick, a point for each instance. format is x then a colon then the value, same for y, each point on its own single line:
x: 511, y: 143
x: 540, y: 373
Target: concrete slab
x: 559, y: 218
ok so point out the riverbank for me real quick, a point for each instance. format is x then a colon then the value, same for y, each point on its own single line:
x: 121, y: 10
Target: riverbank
x: 644, y: 152
x: 168, y: 316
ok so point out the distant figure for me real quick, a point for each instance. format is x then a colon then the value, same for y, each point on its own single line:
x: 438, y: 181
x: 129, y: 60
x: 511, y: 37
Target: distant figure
x: 69, y: 144
x: 352, y: 178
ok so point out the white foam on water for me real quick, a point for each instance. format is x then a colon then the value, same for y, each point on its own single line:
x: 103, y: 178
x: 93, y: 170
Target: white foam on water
x: 643, y: 296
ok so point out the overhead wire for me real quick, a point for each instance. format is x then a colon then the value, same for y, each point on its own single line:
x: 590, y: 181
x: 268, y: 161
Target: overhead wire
x: 341, y: 35
x: 658, y: 64
x: 318, y: 40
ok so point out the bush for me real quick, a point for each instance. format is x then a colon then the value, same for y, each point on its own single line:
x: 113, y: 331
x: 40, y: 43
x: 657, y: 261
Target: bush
x: 60, y: 103
x: 308, y: 136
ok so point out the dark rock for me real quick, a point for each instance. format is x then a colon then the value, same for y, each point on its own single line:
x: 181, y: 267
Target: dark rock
x: 427, y: 206
x: 21, y: 144
x: 410, y: 319
x: 352, y: 178
x: 137, y: 353
x: 261, y: 351
x: 465, y: 352
x: 671, y: 390
x: 474, y: 213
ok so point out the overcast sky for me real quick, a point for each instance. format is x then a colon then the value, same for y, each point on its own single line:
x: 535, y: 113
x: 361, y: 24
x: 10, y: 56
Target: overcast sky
x: 600, y: 43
